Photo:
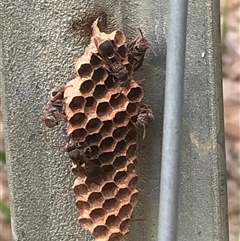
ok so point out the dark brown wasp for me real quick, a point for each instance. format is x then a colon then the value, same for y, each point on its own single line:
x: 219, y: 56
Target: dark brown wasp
x: 145, y: 115
x: 54, y: 112
x: 93, y: 171
x: 136, y: 50
x: 107, y: 52
x: 75, y: 152
x: 114, y: 63
x: 121, y: 72
x: 112, y: 59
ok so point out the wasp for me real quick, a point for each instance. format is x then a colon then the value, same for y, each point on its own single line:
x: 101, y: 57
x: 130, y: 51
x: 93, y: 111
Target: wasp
x: 145, y: 115
x: 92, y: 171
x: 54, y: 110
x: 121, y: 73
x: 75, y: 152
x: 112, y: 60
x: 114, y: 63
x: 136, y: 50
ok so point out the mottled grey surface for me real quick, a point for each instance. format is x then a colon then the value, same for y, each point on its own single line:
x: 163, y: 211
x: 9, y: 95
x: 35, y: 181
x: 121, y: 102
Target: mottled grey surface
x: 39, y: 50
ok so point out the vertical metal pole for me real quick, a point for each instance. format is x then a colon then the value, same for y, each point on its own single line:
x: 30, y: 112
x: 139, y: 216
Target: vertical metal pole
x: 168, y: 213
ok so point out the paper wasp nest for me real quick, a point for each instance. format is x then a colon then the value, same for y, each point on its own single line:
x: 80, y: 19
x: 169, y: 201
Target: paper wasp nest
x: 103, y: 110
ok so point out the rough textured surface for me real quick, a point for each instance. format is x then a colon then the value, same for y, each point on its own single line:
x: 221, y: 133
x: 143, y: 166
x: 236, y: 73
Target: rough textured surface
x: 39, y: 50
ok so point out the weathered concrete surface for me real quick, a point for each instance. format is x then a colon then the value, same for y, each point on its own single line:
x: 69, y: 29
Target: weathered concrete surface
x: 41, y: 41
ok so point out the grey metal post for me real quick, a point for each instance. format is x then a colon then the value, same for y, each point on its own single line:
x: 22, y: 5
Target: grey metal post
x: 171, y: 154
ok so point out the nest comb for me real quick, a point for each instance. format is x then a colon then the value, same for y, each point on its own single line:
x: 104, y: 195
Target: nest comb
x: 100, y: 116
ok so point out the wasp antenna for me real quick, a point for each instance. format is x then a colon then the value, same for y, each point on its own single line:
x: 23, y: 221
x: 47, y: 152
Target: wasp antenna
x: 58, y: 146
x: 140, y: 32
x: 144, y: 132
x: 152, y: 49
x: 149, y: 46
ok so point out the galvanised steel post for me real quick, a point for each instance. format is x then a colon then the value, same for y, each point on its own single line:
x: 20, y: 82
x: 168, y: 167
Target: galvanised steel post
x: 171, y: 155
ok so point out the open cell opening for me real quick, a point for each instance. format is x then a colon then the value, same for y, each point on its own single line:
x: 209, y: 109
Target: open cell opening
x: 134, y: 120
x: 86, y: 222
x: 131, y: 152
x: 95, y: 198
x: 116, y: 237
x: 117, y: 100
x: 133, y: 183
x: 108, y: 168
x: 125, y: 211
x: 93, y: 139
x: 122, y: 51
x: 121, y: 118
x: 131, y: 125
x: 95, y: 60
x: 106, y: 128
x: 106, y: 157
x: 99, y: 74
x: 107, y: 144
x: 113, y: 221
x: 120, y: 177
x: 134, y: 198
x: 78, y: 171
x: 120, y: 147
x: 135, y: 94
x: 110, y: 204
x: 109, y: 189
x: 79, y: 134
x: 99, y: 92
x: 131, y: 136
x: 119, y: 133
x: 93, y: 125
x: 125, y: 225
x: 109, y: 82
x: 77, y: 103
x: 90, y: 104
x: 132, y: 109
x: 97, y: 214
x: 86, y: 86
x: 80, y: 189
x: 123, y: 194
x: 103, y: 109
x: 78, y: 119
x: 81, y: 206
x: 85, y: 70
x: 120, y: 161
x: 131, y: 169
x: 100, y: 232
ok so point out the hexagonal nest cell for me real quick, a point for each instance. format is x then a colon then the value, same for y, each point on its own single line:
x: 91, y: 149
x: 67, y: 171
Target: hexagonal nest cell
x: 99, y: 74
x: 77, y: 103
x: 86, y: 87
x: 85, y: 70
x: 102, y: 119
